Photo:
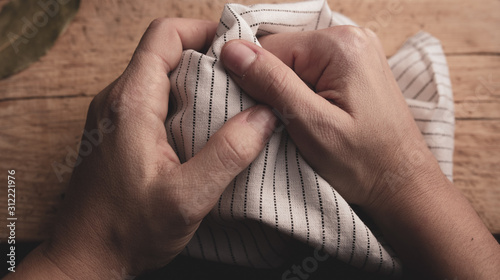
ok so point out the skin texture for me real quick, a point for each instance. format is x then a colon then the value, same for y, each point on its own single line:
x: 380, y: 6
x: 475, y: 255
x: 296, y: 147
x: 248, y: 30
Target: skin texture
x: 351, y: 137
x: 349, y: 120
x: 131, y: 206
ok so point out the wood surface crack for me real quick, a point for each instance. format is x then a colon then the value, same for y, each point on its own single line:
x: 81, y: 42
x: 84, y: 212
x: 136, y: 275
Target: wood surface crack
x: 472, y: 53
x: 476, y: 119
x: 487, y: 101
x: 25, y: 98
x: 464, y: 54
x: 82, y: 94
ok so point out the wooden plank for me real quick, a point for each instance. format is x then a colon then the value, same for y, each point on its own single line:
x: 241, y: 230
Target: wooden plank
x: 467, y: 26
x: 476, y: 86
x: 99, y: 42
x: 476, y: 166
x: 33, y: 135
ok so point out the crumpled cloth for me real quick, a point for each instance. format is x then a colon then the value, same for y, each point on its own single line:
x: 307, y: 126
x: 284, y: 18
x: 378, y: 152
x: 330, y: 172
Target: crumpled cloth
x: 279, y: 199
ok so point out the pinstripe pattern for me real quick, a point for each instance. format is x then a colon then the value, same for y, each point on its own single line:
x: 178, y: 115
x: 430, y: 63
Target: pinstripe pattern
x: 279, y: 197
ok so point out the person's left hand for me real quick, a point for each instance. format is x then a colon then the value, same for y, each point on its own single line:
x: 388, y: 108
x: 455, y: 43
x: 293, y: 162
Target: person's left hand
x: 131, y: 205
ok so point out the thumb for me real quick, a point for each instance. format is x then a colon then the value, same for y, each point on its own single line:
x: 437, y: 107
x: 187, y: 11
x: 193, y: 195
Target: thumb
x: 267, y: 79
x: 228, y: 152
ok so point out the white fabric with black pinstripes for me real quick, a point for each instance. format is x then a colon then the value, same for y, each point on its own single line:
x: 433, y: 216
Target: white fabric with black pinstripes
x: 279, y: 198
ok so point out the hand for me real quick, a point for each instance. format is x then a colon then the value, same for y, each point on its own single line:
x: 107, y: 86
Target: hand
x: 131, y: 205
x: 346, y: 114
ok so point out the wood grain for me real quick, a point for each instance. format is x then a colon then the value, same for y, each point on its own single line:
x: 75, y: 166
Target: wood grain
x: 43, y: 109
x: 99, y: 42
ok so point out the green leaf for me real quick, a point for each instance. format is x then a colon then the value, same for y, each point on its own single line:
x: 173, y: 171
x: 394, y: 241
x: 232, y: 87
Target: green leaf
x: 29, y: 28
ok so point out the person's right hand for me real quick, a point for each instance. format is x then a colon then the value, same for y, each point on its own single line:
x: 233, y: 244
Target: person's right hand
x: 357, y: 129
x: 346, y: 114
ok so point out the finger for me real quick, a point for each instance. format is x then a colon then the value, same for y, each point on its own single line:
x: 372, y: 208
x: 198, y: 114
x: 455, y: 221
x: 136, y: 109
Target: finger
x: 331, y: 60
x: 317, y: 54
x: 298, y: 52
x: 137, y: 102
x: 158, y: 53
x: 230, y: 150
x: 312, y: 57
x: 267, y: 79
x: 165, y: 38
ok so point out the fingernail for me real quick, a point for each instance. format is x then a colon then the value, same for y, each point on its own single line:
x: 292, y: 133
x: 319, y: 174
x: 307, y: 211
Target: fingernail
x: 237, y: 57
x: 263, y: 120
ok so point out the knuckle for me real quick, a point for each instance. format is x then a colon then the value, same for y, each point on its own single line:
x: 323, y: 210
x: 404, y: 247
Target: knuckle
x: 115, y: 101
x: 356, y: 39
x: 276, y: 83
x: 104, y: 103
x: 163, y: 27
x: 352, y: 39
x: 232, y: 153
x: 350, y: 31
x: 160, y: 22
x: 369, y: 32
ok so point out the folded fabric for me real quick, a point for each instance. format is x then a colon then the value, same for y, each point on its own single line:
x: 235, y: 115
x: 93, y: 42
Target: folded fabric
x: 279, y: 199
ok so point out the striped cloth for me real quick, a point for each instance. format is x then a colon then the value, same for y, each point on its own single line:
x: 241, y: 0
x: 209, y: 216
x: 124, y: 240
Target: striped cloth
x: 279, y: 200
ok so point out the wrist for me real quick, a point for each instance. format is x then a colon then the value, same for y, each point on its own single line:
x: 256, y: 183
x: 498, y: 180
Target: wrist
x: 427, y: 221
x: 84, y: 260
x: 86, y: 248
x: 44, y: 262
x: 415, y: 177
x: 36, y: 265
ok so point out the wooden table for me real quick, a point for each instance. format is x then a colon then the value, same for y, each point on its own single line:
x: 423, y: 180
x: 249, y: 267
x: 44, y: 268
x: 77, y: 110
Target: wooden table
x: 43, y: 109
